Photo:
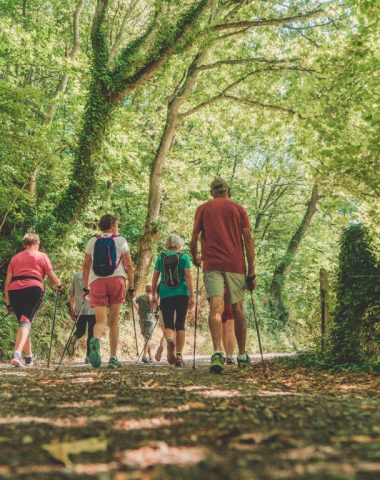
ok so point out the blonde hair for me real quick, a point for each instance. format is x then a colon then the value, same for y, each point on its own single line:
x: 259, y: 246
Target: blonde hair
x: 174, y: 241
x: 30, y: 239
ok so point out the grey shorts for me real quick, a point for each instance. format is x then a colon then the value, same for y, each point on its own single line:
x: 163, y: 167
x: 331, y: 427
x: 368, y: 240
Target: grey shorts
x: 215, y: 281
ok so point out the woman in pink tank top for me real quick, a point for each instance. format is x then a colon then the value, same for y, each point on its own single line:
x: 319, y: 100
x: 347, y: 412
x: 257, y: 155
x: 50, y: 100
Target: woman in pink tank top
x: 24, y: 291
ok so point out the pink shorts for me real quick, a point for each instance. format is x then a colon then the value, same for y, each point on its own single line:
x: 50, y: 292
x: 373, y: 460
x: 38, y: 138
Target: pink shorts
x: 107, y: 291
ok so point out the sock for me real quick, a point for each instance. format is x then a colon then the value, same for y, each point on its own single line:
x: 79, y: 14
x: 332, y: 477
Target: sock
x: 170, y: 339
x: 242, y: 356
x: 17, y: 353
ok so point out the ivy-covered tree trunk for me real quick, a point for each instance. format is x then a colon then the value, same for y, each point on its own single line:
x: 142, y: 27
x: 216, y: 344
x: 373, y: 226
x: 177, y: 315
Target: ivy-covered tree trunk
x: 277, y: 304
x: 173, y: 118
x: 135, y: 65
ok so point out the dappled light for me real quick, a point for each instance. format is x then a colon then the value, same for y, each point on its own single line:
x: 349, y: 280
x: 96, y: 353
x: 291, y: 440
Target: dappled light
x: 216, y: 393
x: 161, y: 453
x: 146, y: 423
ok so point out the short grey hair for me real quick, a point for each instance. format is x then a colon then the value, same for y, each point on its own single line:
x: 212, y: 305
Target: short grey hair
x: 174, y: 241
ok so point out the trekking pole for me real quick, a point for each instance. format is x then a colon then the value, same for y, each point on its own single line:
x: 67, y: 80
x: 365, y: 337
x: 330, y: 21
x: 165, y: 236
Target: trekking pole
x: 196, y: 316
x: 71, y: 335
x: 258, y: 331
x: 5, y: 316
x: 134, y: 328
x: 150, y: 337
x: 52, y: 328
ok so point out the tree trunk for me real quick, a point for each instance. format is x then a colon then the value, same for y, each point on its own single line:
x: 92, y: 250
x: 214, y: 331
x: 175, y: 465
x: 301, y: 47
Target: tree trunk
x: 277, y: 304
x: 173, y: 118
x: 83, y: 175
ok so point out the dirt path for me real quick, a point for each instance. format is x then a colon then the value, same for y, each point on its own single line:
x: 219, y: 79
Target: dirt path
x: 155, y: 422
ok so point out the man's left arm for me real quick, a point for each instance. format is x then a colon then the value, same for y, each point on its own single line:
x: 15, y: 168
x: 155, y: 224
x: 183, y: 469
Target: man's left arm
x: 249, y: 247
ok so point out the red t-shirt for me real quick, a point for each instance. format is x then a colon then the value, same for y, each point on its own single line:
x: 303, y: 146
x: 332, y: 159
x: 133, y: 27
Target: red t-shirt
x: 220, y: 222
x: 29, y: 262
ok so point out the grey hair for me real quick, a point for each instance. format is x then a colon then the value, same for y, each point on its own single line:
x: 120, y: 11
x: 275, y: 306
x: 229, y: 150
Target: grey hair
x: 174, y: 241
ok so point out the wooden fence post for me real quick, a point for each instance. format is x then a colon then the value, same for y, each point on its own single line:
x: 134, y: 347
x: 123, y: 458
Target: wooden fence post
x: 324, y: 298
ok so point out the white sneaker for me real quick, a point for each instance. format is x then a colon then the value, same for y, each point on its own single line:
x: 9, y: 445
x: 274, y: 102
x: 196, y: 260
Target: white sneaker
x: 17, y: 360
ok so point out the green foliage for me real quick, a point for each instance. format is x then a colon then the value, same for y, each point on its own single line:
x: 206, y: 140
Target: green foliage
x: 355, y: 333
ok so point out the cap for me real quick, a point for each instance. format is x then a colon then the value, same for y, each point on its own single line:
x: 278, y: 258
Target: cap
x: 219, y: 185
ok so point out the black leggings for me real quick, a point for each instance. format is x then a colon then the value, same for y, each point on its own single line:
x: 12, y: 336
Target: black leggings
x: 26, y: 301
x: 82, y: 322
x: 179, y: 305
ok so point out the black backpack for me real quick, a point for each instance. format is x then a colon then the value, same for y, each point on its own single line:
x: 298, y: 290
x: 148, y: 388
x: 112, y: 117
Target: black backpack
x: 170, y: 267
x: 104, y: 257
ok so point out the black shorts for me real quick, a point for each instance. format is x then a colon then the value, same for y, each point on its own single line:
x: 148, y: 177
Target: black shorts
x: 26, y: 302
x: 179, y: 305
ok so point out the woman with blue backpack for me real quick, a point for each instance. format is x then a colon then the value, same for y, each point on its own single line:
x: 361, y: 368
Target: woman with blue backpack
x: 176, y: 295
x: 107, y: 263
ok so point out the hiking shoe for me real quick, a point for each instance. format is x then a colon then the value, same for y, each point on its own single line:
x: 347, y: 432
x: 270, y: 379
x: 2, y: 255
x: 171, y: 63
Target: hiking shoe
x: 71, y: 346
x: 179, y: 361
x: 170, y: 352
x: 94, y: 355
x: 159, y: 353
x: 114, y: 363
x: 17, y: 360
x: 243, y: 363
x: 29, y: 360
x: 145, y: 360
x: 230, y: 360
x: 217, y: 362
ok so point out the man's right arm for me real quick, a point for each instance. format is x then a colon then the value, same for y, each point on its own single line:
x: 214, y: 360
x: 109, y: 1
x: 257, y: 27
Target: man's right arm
x: 194, y: 248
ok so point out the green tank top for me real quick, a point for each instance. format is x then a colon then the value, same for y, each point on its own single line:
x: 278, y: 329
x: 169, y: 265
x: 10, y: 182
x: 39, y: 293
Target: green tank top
x: 145, y: 309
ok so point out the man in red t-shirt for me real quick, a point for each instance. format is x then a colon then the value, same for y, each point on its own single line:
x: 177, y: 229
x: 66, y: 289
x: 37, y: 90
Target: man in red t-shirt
x: 224, y: 229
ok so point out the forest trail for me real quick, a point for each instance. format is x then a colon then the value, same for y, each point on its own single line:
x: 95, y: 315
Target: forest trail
x: 157, y: 422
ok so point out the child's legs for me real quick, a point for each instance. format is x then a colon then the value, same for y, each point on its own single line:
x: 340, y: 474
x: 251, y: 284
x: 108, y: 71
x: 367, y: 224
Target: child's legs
x: 80, y: 326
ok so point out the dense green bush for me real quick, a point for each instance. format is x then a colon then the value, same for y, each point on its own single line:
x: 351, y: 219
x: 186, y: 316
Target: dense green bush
x: 355, y: 333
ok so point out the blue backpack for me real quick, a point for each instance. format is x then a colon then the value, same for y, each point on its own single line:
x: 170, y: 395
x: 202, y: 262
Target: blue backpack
x: 104, y: 257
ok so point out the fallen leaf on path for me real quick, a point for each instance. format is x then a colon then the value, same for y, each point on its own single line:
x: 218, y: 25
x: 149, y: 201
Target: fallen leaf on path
x: 160, y: 453
x: 61, y: 451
